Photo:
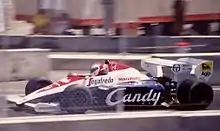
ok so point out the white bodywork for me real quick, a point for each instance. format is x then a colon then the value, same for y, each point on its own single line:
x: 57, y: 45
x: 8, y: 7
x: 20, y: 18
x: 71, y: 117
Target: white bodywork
x: 114, y: 77
x: 181, y: 68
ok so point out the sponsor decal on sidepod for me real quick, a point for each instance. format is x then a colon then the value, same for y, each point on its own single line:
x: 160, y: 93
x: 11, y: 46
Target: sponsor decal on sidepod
x: 102, y: 80
x: 128, y: 79
x: 137, y: 97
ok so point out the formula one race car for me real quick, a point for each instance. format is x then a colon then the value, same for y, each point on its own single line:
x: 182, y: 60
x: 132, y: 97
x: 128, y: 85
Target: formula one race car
x: 124, y: 86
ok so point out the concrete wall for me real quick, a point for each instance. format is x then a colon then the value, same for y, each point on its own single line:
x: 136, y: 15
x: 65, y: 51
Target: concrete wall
x: 19, y: 64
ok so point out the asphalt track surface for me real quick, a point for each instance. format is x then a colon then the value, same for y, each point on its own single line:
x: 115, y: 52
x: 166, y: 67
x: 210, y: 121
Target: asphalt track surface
x: 8, y: 88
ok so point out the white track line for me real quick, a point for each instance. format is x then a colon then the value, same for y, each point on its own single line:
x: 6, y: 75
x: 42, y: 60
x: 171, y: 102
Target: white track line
x: 166, y: 47
x: 216, y: 88
x: 194, y: 36
x: 107, y: 116
x: 185, y: 54
x: 124, y: 56
x: 100, y: 56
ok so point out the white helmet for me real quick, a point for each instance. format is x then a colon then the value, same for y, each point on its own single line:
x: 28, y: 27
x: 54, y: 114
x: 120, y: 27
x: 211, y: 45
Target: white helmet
x: 99, y: 69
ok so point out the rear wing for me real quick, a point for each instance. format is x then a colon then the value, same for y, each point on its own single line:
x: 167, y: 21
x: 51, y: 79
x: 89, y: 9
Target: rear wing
x: 181, y: 68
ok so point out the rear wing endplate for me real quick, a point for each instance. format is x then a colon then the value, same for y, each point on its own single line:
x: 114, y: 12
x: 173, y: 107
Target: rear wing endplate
x: 182, y: 68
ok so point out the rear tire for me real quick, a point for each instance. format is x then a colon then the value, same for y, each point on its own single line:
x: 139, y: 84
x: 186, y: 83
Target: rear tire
x: 75, y: 100
x: 194, y: 95
x: 36, y: 84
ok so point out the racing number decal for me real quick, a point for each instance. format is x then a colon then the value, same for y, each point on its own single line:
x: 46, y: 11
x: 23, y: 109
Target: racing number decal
x: 206, y: 68
x: 176, y: 68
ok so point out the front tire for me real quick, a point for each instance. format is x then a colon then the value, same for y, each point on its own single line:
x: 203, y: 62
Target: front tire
x: 36, y: 84
x: 75, y: 100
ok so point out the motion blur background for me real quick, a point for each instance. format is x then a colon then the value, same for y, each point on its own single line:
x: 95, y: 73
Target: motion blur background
x: 72, y: 29
x: 115, y: 17
x: 145, y: 25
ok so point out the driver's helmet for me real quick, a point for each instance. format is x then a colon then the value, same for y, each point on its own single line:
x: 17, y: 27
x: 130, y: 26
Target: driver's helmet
x: 99, y: 69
